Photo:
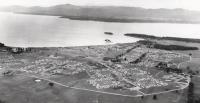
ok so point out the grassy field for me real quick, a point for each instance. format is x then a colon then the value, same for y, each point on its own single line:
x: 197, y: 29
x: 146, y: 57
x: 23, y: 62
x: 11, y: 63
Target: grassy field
x: 193, y: 65
x: 22, y: 89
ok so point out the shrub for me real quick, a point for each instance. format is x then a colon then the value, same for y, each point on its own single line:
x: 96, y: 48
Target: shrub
x: 154, y: 97
x: 51, y: 84
x: 2, y: 45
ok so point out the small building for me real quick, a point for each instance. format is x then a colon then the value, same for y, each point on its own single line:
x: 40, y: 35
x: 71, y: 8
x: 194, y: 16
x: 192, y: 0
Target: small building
x: 8, y: 73
x: 37, y: 80
x: 18, y: 50
x: 162, y: 65
x: 26, y: 49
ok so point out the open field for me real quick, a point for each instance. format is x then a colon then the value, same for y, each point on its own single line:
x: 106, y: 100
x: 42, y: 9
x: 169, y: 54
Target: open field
x: 25, y: 90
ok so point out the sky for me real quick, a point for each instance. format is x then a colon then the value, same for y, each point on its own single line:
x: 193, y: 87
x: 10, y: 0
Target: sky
x: 171, y: 4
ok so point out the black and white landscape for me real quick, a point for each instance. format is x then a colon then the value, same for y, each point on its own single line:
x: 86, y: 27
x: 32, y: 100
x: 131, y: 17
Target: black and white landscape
x: 97, y: 51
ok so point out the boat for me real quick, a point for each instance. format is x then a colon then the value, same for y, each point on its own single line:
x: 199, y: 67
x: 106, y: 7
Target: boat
x: 108, y: 33
x: 108, y: 41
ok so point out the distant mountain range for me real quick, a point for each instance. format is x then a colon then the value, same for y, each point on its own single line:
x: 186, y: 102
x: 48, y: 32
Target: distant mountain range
x: 111, y: 13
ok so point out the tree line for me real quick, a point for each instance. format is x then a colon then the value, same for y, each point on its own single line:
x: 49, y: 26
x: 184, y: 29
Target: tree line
x: 144, y: 36
x: 156, y: 45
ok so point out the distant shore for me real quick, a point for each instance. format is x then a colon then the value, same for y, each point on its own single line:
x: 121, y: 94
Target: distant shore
x: 119, y: 20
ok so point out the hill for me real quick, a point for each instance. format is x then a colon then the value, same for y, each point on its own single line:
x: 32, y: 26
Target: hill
x: 111, y: 13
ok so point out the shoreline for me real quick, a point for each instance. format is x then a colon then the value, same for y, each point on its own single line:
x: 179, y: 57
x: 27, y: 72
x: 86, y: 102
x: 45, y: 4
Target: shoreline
x: 140, y: 37
x: 60, y: 46
x: 109, y: 44
x: 110, y: 20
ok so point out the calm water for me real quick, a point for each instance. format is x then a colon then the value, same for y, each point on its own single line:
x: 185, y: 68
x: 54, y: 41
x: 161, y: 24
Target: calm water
x: 39, y: 31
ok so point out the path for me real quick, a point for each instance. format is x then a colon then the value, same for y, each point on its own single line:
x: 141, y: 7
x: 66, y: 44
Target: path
x: 84, y: 89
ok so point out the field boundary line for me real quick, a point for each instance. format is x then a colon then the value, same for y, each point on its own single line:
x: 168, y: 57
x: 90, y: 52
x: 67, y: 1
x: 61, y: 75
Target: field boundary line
x: 117, y: 94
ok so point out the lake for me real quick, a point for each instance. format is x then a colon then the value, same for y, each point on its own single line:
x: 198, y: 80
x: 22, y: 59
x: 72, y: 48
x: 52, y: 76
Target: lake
x: 51, y: 31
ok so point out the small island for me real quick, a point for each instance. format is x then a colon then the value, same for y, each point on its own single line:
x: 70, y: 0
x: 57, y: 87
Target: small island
x: 108, y: 33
